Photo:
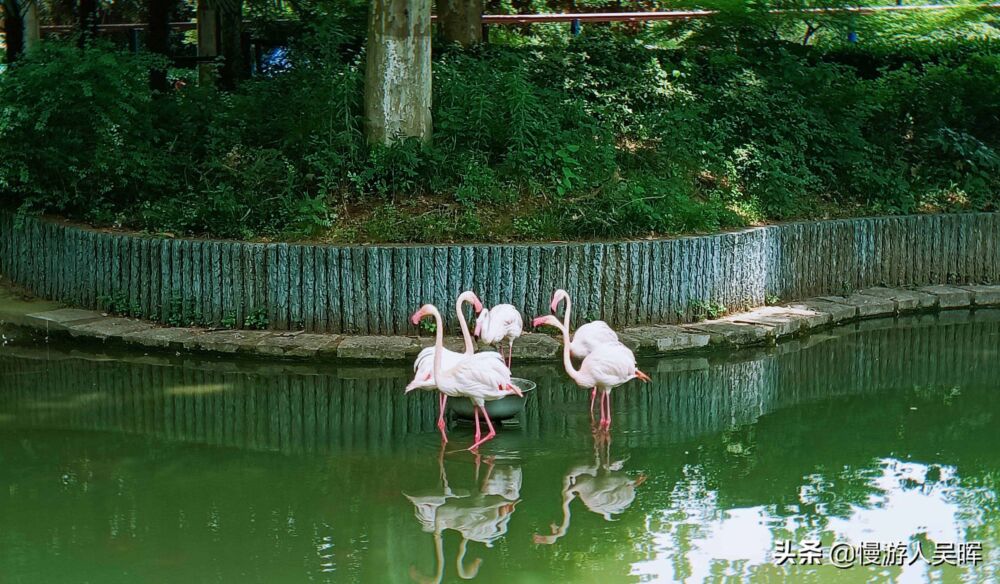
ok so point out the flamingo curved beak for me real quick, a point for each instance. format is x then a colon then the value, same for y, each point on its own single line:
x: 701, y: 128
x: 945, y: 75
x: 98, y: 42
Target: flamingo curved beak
x: 539, y: 321
x: 517, y: 390
x: 642, y: 376
x: 415, y: 319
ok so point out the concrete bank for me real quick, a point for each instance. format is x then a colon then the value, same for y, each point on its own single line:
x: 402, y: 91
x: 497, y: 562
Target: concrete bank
x: 760, y: 327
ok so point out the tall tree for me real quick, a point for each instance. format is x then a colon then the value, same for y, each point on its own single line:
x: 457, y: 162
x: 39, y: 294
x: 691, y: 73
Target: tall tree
x: 13, y: 29
x: 208, y: 40
x: 158, y: 38
x: 32, y: 26
x: 460, y: 21
x: 398, y: 71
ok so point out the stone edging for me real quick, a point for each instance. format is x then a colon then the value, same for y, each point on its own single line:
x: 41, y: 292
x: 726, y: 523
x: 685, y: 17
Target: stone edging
x: 763, y: 326
x: 372, y: 289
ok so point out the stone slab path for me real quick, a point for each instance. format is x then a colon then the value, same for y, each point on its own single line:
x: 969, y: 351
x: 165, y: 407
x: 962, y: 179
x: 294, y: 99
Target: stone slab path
x: 762, y: 326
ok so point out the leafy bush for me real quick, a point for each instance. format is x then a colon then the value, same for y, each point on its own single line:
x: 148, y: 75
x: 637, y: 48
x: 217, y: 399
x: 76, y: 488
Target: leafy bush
x: 78, y: 131
x: 613, y: 133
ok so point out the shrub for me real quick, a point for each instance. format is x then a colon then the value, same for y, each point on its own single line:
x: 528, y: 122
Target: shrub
x: 607, y: 134
x: 78, y: 131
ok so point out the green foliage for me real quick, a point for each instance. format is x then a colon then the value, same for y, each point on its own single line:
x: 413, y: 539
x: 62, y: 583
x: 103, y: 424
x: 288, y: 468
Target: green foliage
x: 229, y: 321
x: 119, y: 303
x: 78, y: 131
x: 181, y: 313
x: 256, y: 319
x: 618, y: 132
x: 707, y: 309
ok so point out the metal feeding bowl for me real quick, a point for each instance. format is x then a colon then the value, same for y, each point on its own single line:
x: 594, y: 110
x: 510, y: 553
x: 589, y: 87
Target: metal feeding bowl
x: 502, y: 409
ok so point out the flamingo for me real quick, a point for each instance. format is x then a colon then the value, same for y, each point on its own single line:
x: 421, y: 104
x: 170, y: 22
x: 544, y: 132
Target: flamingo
x: 480, y: 377
x: 587, y: 337
x: 481, y: 518
x: 423, y: 366
x: 606, y: 367
x: 602, y: 488
x: 501, y: 323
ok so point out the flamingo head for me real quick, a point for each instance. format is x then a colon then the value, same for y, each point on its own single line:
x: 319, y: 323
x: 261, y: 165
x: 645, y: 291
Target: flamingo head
x: 425, y: 310
x: 546, y: 320
x: 470, y: 297
x: 557, y: 297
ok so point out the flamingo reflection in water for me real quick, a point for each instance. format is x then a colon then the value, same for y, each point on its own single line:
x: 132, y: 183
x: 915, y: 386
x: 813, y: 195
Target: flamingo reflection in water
x: 480, y: 517
x: 602, y: 486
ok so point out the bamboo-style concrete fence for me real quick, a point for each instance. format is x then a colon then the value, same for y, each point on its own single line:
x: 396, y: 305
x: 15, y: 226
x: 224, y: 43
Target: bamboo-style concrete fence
x: 372, y: 289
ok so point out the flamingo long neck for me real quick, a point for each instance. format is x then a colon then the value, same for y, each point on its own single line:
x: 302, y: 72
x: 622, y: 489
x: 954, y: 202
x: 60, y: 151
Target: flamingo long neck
x: 463, y: 572
x: 566, y: 500
x: 462, y: 299
x: 438, y: 342
x: 569, y: 306
x: 567, y: 361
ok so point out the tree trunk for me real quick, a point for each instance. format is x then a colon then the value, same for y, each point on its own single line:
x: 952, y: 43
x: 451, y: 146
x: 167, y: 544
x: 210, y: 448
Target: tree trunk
x: 208, y: 41
x: 231, y: 44
x: 460, y: 21
x: 87, y: 17
x: 398, y: 71
x: 32, y: 27
x: 13, y: 30
x: 158, y: 39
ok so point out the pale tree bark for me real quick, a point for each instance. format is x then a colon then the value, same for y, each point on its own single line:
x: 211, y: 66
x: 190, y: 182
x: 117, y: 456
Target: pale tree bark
x: 32, y: 27
x: 460, y: 21
x: 208, y: 41
x: 398, y: 71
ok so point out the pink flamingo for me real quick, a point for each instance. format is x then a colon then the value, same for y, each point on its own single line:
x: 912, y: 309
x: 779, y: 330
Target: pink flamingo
x: 589, y: 336
x: 480, y: 377
x: 606, y: 367
x: 423, y: 366
x: 501, y: 323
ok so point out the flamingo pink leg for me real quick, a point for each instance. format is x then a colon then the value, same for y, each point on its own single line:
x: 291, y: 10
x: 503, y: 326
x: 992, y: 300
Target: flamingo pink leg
x: 593, y: 395
x: 441, y: 423
x: 510, y: 353
x: 475, y: 410
x: 489, y: 435
x: 606, y: 417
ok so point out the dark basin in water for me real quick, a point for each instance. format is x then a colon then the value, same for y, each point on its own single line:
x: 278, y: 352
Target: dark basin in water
x: 499, y: 410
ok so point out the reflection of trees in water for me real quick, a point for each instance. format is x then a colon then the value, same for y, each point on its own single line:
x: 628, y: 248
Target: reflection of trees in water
x: 865, y: 468
x: 479, y: 515
x: 300, y: 412
x: 602, y: 487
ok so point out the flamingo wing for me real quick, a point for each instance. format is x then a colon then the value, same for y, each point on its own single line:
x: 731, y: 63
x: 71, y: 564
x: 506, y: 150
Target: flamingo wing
x: 609, y: 365
x: 483, y: 376
x: 607, y: 495
x: 589, y: 337
x: 500, y: 322
x: 423, y: 367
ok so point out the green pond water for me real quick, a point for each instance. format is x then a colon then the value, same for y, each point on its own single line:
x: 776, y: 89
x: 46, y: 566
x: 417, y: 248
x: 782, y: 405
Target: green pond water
x: 127, y: 467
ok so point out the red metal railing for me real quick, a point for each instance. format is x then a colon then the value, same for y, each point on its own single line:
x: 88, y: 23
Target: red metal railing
x: 509, y: 19
x: 694, y: 14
